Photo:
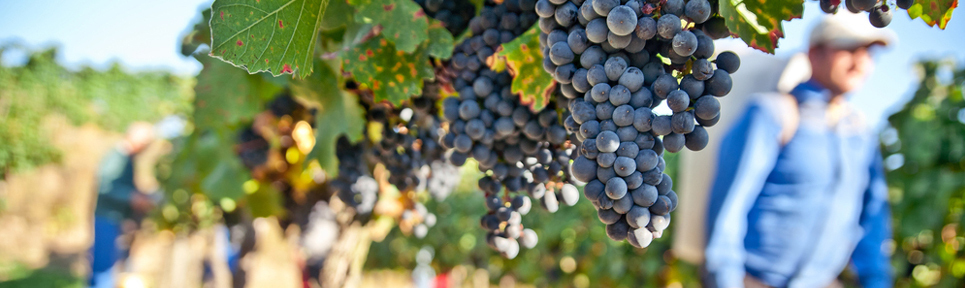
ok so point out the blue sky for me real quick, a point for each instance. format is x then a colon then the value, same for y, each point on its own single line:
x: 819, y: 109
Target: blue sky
x: 144, y: 35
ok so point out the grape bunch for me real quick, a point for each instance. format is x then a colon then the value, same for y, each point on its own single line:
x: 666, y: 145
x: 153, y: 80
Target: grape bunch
x: 879, y: 11
x: 525, y: 155
x: 608, y: 58
x: 454, y: 14
x: 354, y: 185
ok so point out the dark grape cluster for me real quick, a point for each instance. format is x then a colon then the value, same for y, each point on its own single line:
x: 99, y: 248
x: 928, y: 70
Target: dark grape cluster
x: 454, y: 14
x: 525, y: 155
x: 608, y: 57
x: 354, y: 185
x: 879, y: 11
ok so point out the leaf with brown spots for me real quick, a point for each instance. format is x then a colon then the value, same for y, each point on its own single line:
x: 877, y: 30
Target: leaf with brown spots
x: 524, y: 60
x: 403, y: 21
x: 270, y: 35
x: 758, y: 22
x: 933, y: 12
x: 392, y: 75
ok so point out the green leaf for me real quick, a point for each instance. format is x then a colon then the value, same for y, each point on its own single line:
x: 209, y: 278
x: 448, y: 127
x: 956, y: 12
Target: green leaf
x: 225, y: 96
x: 340, y: 114
x: 403, y: 21
x: 758, y: 22
x: 272, y: 35
x: 225, y: 180
x: 338, y: 14
x: 933, y: 12
x: 524, y: 60
x: 391, y: 75
x: 440, y: 41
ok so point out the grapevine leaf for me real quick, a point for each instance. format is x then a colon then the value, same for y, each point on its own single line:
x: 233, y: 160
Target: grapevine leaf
x: 440, y: 41
x: 391, y: 75
x: 403, y: 21
x: 272, y: 35
x: 524, y: 60
x: 338, y: 14
x: 339, y: 114
x: 933, y: 12
x: 225, y: 95
x: 758, y: 23
x: 226, y: 178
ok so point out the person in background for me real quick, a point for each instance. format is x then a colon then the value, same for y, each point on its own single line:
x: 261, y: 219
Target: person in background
x: 118, y: 199
x: 800, y: 187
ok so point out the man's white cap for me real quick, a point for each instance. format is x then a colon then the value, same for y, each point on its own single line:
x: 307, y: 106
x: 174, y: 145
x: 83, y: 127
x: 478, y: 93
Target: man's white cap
x: 846, y: 30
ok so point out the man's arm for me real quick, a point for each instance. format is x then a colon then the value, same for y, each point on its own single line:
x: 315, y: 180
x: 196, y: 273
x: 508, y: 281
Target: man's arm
x: 870, y: 262
x: 747, y: 156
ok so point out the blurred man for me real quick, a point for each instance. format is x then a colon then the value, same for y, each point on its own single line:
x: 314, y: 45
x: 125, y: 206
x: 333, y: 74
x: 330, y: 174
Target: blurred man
x: 800, y: 188
x: 118, y: 199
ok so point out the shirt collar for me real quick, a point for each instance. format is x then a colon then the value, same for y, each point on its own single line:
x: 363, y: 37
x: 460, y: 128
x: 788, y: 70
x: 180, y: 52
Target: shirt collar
x: 811, y: 91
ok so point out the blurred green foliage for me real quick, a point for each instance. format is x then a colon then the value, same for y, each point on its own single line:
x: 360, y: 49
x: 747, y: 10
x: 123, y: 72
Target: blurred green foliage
x: 111, y: 99
x: 925, y: 152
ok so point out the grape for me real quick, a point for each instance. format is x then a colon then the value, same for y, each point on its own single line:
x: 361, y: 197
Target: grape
x: 636, y: 44
x: 661, y: 125
x: 693, y: 87
x: 600, y: 92
x: 880, y: 16
x: 719, y: 84
x: 582, y: 112
x: 546, y: 25
x: 684, y: 43
x: 545, y: 9
x: 596, y: 30
x: 603, y: 7
x: 663, y: 85
x: 640, y: 238
x: 593, y: 190
x: 651, y: 71
x: 605, y: 160
x: 708, y: 122
x: 623, y: 205
x: 577, y: 40
x: 628, y: 149
x: 590, y: 129
x: 661, y: 206
x: 668, y: 26
x: 829, y: 8
x: 604, y: 174
x: 702, y: 70
x: 617, y: 41
x: 623, y: 115
x: 632, y: 78
x: 608, y: 216
x: 644, y: 141
x: 596, y: 75
x: 614, y: 68
x: 697, y: 140
x: 673, y: 7
x: 641, y: 98
x: 850, y: 5
x: 728, y: 61
x: 617, y: 231
x: 705, y: 45
x: 645, y: 195
x: 624, y: 166
x: 555, y: 36
x: 586, y: 10
x: 716, y: 28
x: 698, y: 10
x: 627, y: 133
x: 638, y: 217
x: 678, y: 100
x: 570, y: 194
x: 621, y: 20
x: 642, y: 119
x: 566, y: 14
x: 564, y: 74
x: 619, y: 95
x: 682, y: 123
x: 607, y: 142
x: 561, y: 54
x: 904, y: 4
x: 592, y: 56
x: 646, y: 28
x: 673, y: 142
x: 529, y: 239
x: 583, y: 169
x: 863, y: 5
x: 646, y: 160
x: 604, y: 111
x: 707, y: 107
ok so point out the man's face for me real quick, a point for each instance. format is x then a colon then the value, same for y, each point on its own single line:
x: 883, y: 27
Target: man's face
x: 841, y: 70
